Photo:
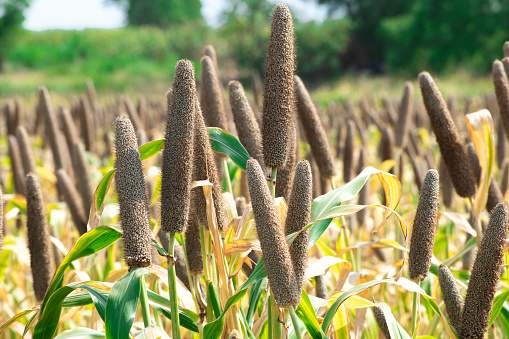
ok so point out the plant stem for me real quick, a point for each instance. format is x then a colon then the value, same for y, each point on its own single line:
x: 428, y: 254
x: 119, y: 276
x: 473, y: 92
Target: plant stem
x: 295, y: 322
x: 272, y: 182
x: 145, y: 310
x: 415, y: 310
x: 333, y: 182
x: 227, y: 176
x: 269, y: 317
x: 172, y: 282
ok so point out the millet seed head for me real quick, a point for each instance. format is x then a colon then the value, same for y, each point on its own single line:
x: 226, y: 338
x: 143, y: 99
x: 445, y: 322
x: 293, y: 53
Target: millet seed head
x: 132, y: 198
x: 502, y: 92
x: 387, y: 144
x: 448, y: 139
x: 485, y: 275
x: 285, y: 173
x: 451, y: 295
x: 180, y: 264
x: 209, y: 51
x: 423, y: 232
x: 83, y: 176
x: 211, y: 99
x: 313, y: 128
x: 245, y: 121
x: 193, y: 245
x: 298, y: 217
x: 406, y: 109
x: 204, y: 168
x: 16, y: 164
x: 506, y: 49
x: 39, y: 244
x: 446, y: 187
x: 177, y: 161
x: 73, y: 201
x: 278, y: 262
x: 380, y: 320
x: 278, y: 98
x: 25, y: 149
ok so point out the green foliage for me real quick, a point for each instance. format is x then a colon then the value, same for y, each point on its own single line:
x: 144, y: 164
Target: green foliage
x: 161, y: 13
x: 11, y: 18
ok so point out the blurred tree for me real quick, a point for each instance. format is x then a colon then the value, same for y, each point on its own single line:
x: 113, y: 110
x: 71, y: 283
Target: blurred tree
x: 11, y: 18
x: 161, y: 13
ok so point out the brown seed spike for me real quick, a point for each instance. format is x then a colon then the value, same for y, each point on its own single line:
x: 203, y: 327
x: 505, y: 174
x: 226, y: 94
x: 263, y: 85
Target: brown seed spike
x: 132, y: 198
x: 39, y: 244
x: 180, y: 265
x: 87, y: 124
x: 449, y: 141
x: 16, y: 164
x: 315, y: 134
x: 204, y: 168
x: 285, y: 173
x: 485, y: 276
x: 83, y: 176
x: 178, y: 150
x: 506, y: 49
x: 278, y: 93
x: 52, y: 127
x: 451, y: 295
x: 211, y: 53
x: 245, y: 121
x: 211, y: 99
x: 380, y: 320
x: 502, y: 92
x: 406, y: 108
x: 66, y: 186
x: 425, y: 223
x: 69, y: 128
x: 278, y: 263
x: 193, y: 246
x: 387, y: 144
x: 298, y: 217
x: 445, y: 184
x: 25, y: 149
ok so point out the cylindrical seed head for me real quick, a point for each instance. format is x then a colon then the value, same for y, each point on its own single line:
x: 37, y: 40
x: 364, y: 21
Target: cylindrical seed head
x: 406, y: 109
x: 82, y: 176
x: 16, y: 164
x: 502, y: 92
x: 485, y: 276
x: 241, y: 205
x: 180, y: 264
x: 298, y: 217
x: 209, y: 51
x: 132, y: 198
x: 448, y: 139
x: 285, y: 173
x: 69, y: 128
x: 245, y: 121
x: 278, y: 92
x: 451, y: 295
x: 446, y: 187
x: 178, y: 150
x: 348, y: 151
x: 210, y: 96
x: 51, y: 126
x: 380, y: 320
x: 315, y: 134
x: 423, y: 232
x: 25, y: 149
x: 204, y: 168
x: 494, y: 195
x: 87, y: 124
x: 321, y: 287
x: 72, y: 200
x: 506, y: 49
x: 39, y: 244
x: 278, y: 262
x: 193, y: 245
x: 387, y: 144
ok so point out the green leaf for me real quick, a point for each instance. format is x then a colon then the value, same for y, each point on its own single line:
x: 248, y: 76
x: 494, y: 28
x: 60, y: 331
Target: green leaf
x: 122, y: 303
x: 213, y: 330
x: 89, y: 243
x: 102, y: 189
x: 307, y: 315
x: 254, y: 297
x: 80, y: 333
x: 150, y: 149
x: 213, y: 298
x: 223, y: 142
x: 14, y: 319
x: 48, y: 322
x: 498, y: 303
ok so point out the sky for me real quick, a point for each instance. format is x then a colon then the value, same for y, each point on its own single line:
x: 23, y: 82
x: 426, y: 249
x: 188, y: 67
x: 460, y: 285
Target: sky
x: 80, y: 14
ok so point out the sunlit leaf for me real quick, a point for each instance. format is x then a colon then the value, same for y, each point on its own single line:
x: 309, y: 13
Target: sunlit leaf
x: 223, y: 142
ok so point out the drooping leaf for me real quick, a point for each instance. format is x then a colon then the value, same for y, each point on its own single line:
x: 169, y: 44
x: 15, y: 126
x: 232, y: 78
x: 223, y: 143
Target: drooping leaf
x: 80, y: 333
x: 223, y: 142
x: 150, y: 149
x: 307, y: 315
